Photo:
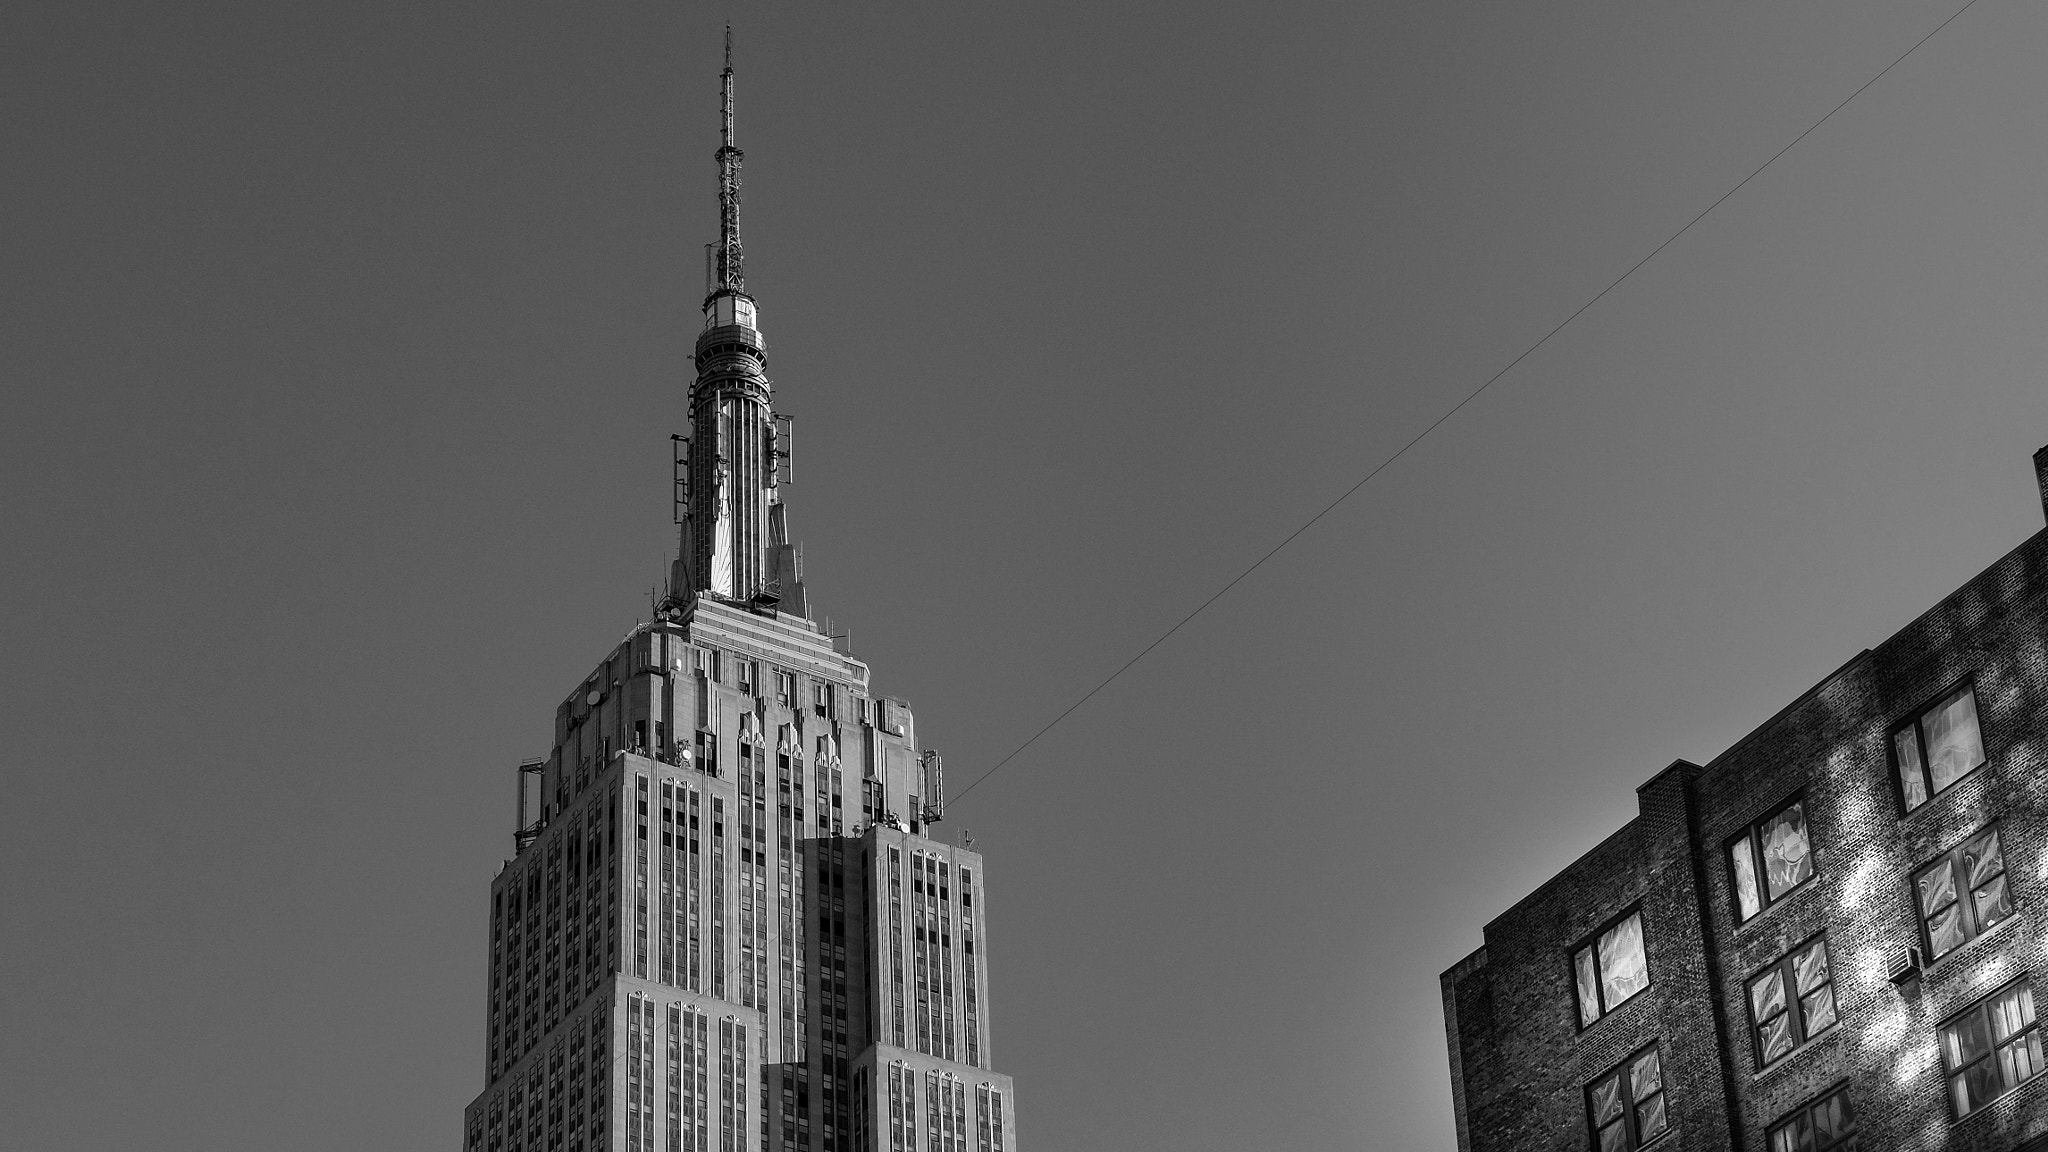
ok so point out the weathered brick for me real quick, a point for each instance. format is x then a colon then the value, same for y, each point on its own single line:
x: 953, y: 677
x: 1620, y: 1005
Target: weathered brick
x: 1520, y: 1064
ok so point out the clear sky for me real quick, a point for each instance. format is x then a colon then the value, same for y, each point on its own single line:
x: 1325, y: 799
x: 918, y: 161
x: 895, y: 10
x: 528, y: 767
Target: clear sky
x: 341, y: 344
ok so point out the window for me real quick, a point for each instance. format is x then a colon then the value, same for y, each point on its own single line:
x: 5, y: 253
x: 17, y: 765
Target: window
x: 785, y: 689
x: 749, y: 673
x: 821, y: 693
x: 1825, y: 1125
x: 1610, y: 968
x: 1627, y: 1104
x: 1938, y: 749
x: 1963, y: 894
x: 1992, y: 1048
x: 1771, y: 858
x: 1791, y: 1002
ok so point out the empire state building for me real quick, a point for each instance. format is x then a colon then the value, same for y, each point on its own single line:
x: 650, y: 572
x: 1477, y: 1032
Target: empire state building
x: 726, y: 926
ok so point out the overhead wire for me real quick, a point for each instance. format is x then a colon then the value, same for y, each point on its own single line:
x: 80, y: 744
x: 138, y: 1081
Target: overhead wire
x: 1454, y: 409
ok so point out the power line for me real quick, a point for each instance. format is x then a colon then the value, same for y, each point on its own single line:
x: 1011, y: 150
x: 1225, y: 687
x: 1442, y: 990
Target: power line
x: 1471, y: 396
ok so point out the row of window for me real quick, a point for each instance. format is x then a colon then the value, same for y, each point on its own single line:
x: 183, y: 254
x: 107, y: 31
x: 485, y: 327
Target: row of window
x: 547, y: 1097
x: 1930, y: 753
x: 1988, y: 1049
x: 1961, y: 894
x: 748, y: 678
x: 569, y: 876
x: 944, y: 1114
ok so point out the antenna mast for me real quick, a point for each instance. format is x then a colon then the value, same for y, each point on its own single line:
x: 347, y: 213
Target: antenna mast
x: 729, y: 276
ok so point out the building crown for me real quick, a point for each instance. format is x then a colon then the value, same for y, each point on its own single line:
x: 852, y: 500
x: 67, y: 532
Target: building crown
x: 734, y: 539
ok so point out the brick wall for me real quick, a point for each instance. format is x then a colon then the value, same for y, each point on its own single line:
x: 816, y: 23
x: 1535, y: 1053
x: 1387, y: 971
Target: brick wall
x: 1520, y: 1062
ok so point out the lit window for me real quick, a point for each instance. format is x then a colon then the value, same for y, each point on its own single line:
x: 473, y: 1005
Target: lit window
x: 1610, y: 968
x: 1963, y: 894
x: 1825, y: 1125
x: 1770, y: 859
x: 1991, y: 1049
x: 1627, y: 1104
x: 1938, y: 749
x: 1791, y: 1002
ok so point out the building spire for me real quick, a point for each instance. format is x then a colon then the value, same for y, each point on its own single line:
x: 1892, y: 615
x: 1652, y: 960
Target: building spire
x: 735, y: 533
x: 728, y: 274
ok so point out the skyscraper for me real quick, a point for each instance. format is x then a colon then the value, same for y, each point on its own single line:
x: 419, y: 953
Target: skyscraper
x: 726, y: 926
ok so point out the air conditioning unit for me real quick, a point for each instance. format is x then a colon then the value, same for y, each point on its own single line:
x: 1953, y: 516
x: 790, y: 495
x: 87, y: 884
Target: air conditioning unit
x: 1905, y: 965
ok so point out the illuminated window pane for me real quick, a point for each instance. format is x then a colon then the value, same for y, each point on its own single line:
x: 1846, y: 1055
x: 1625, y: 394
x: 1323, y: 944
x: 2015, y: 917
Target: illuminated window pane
x: 1824, y: 1125
x: 1767, y: 995
x: 1589, y: 987
x: 1791, y: 1002
x: 1607, y: 1100
x: 1938, y: 748
x: 1937, y: 886
x: 1775, y: 1037
x: 1610, y: 969
x: 1991, y: 1048
x: 1623, y: 972
x: 1980, y: 1084
x: 1982, y: 858
x: 1912, y: 773
x: 1779, y: 847
x: 1833, y: 1119
x: 1811, y: 968
x: 1968, y: 1039
x: 2021, y: 1061
x: 1645, y: 1076
x: 1945, y: 931
x: 1788, y: 860
x: 1992, y: 902
x: 1954, y: 745
x: 1650, y: 1116
x: 1795, y: 1136
x: 2012, y: 1012
x: 1964, y: 893
x: 1626, y: 1107
x: 1818, y: 1010
x: 1742, y: 856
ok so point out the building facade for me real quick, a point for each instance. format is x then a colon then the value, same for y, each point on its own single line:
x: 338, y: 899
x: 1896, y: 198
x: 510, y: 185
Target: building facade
x: 1826, y: 938
x: 727, y: 926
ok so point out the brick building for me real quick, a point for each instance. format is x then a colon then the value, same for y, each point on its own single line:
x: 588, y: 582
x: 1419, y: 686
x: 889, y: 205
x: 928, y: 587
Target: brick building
x: 727, y: 925
x: 1826, y: 938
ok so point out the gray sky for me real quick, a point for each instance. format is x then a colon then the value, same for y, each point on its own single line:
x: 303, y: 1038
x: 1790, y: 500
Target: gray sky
x: 342, y: 344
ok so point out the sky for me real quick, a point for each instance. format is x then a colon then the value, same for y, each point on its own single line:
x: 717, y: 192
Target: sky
x: 342, y: 345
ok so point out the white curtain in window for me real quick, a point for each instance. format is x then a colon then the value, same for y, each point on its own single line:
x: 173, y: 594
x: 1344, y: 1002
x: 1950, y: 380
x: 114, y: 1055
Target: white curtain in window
x: 1623, y: 972
x: 1788, y: 859
x: 1743, y: 857
x: 1833, y: 1118
x: 1912, y: 779
x: 1589, y: 987
x: 1954, y: 746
